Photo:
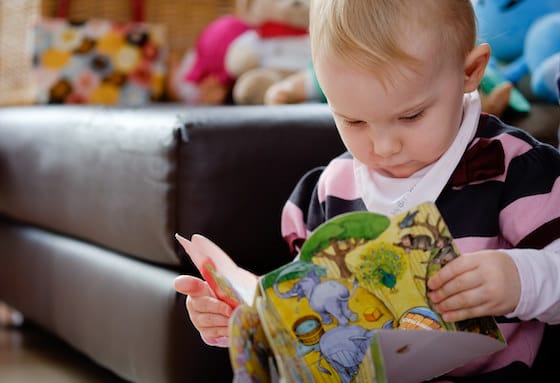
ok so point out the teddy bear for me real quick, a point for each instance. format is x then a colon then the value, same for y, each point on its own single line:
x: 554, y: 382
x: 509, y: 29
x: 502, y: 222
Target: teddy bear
x: 237, y: 57
x: 275, y: 47
x: 298, y: 87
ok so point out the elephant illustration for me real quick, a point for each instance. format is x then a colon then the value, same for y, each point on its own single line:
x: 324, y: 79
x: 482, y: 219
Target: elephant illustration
x: 327, y: 298
x: 344, y: 349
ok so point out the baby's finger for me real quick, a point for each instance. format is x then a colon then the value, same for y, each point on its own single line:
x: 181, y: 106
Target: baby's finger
x: 463, y: 300
x: 193, y: 286
x: 209, y: 305
x: 451, y: 270
x: 222, y: 341
x: 466, y: 313
x: 210, y: 325
x: 467, y: 281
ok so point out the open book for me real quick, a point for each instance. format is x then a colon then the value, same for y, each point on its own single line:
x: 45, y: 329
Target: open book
x: 352, y: 308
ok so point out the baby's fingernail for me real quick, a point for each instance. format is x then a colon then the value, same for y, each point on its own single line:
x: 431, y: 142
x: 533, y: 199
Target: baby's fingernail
x: 221, y: 341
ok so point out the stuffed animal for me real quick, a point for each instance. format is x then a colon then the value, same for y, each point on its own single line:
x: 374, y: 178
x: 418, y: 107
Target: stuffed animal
x: 238, y: 57
x: 201, y: 77
x: 296, y: 88
x: 275, y: 47
x: 498, y: 93
x: 525, y: 39
x: 542, y: 54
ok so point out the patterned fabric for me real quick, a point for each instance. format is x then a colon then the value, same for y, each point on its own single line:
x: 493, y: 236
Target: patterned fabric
x: 508, y: 200
x: 98, y: 62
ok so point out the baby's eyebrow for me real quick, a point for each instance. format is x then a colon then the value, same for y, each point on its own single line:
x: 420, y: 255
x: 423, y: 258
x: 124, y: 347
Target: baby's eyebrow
x: 343, y: 116
x: 414, y: 107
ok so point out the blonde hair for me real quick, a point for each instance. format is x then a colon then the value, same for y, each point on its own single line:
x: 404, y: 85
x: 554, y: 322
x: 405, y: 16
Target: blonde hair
x: 369, y: 33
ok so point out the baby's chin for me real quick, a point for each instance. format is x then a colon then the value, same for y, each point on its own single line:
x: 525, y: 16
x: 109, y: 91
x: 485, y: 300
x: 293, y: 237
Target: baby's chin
x: 397, y: 171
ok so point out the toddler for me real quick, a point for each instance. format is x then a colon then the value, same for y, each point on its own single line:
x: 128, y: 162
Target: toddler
x: 401, y: 79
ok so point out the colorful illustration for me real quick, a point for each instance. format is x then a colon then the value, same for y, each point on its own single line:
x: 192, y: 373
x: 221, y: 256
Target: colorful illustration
x: 353, y: 307
x: 220, y: 284
x: 361, y: 276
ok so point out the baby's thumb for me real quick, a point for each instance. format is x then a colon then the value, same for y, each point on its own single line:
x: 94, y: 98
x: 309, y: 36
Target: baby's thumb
x: 193, y: 286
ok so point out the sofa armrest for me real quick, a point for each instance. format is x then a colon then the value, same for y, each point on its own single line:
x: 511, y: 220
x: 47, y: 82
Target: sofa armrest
x: 105, y: 175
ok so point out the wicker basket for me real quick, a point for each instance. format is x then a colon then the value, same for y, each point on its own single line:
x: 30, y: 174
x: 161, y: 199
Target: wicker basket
x: 184, y: 19
x: 16, y: 23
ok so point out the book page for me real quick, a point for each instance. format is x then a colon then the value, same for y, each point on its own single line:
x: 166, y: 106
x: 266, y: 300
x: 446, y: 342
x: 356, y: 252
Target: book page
x: 249, y: 350
x: 362, y: 272
x: 230, y: 283
x: 411, y: 356
x: 291, y: 366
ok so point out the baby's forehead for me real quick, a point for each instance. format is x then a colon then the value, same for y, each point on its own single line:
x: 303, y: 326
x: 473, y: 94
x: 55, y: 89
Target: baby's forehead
x: 358, y: 93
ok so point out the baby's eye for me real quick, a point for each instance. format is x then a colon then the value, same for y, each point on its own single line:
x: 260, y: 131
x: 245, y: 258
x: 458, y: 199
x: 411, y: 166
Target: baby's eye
x: 413, y: 117
x: 352, y: 123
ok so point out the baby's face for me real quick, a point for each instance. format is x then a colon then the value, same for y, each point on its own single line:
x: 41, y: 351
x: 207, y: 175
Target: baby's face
x: 398, y: 126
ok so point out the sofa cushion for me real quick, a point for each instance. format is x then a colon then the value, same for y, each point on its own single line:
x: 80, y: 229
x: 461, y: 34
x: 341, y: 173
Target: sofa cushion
x: 246, y: 160
x: 121, y: 313
x: 129, y: 178
x: 105, y: 175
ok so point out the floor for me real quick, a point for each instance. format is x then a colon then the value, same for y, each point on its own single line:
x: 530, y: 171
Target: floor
x: 28, y: 354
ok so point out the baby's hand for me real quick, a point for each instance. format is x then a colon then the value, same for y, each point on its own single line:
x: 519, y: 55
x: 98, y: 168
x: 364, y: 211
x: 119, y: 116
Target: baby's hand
x: 208, y: 314
x: 474, y: 285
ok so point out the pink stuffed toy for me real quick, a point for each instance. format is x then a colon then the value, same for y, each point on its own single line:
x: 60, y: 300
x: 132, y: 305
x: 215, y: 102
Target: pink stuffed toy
x: 202, y: 77
x: 240, y: 57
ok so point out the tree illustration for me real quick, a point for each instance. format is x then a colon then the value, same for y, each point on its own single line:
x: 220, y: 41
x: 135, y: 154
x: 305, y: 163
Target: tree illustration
x: 336, y: 251
x: 340, y: 235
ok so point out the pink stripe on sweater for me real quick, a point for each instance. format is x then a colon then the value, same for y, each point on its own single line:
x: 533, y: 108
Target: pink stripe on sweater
x: 339, y: 178
x: 535, y: 210
x: 292, y: 221
x: 513, y: 146
x: 470, y: 244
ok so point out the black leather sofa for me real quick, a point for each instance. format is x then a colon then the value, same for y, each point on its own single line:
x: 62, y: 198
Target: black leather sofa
x: 90, y: 199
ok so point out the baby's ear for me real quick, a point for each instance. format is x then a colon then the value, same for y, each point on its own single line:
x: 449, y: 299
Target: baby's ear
x: 475, y: 65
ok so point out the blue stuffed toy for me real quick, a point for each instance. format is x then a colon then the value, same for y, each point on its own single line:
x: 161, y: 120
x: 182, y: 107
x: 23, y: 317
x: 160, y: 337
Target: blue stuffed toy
x: 525, y: 39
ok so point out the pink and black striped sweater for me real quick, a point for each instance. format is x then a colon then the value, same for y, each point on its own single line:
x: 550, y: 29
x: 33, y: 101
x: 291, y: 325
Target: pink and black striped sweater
x: 503, y: 194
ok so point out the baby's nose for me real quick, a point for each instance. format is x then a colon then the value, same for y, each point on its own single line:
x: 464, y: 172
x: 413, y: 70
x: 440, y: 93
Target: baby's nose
x: 385, y: 144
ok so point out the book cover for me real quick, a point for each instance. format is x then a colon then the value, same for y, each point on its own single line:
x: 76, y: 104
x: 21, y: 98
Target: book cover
x: 354, y: 308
